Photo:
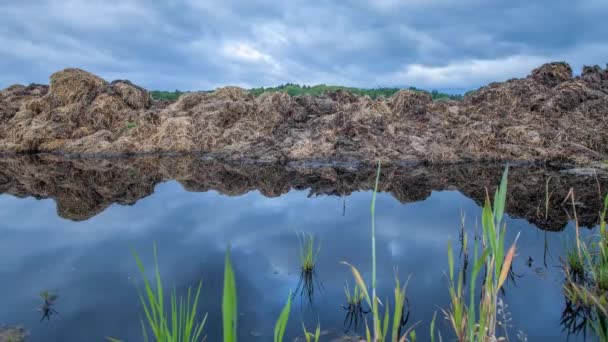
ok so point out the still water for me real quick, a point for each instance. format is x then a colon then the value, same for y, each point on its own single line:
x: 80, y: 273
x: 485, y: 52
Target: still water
x: 70, y: 226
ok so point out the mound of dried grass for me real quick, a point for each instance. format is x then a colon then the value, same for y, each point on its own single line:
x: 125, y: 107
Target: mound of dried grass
x: 547, y: 116
x: 175, y: 135
x: 73, y: 86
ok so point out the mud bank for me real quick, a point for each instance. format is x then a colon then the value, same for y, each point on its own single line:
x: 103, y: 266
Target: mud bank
x: 84, y: 187
x: 549, y: 116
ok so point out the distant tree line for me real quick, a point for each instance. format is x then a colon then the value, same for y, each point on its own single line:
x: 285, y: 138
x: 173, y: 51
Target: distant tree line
x: 320, y: 89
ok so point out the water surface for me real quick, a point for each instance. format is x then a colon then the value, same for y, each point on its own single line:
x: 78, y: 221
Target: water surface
x: 70, y: 226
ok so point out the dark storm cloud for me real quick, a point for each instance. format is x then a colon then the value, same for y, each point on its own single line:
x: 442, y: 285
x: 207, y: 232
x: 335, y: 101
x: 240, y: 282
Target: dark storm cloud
x: 190, y: 44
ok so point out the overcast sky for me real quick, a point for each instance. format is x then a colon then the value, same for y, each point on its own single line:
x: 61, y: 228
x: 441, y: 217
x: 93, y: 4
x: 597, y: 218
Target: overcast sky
x: 203, y: 44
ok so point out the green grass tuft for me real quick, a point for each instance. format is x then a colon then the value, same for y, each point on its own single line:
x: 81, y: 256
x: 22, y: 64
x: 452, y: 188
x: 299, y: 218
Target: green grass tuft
x: 175, y: 321
x: 308, y: 252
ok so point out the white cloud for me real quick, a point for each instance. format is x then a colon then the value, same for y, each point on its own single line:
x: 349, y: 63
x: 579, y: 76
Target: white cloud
x: 466, y: 72
x: 247, y: 53
x: 192, y: 44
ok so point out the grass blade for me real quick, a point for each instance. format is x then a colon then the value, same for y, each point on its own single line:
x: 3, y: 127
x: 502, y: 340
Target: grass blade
x: 279, y: 328
x: 229, y: 302
x: 360, y: 282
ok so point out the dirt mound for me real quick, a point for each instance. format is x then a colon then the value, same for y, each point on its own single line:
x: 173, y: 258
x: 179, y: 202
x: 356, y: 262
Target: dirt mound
x: 549, y: 116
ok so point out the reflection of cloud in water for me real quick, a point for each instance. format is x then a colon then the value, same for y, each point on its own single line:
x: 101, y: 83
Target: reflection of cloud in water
x: 91, y: 265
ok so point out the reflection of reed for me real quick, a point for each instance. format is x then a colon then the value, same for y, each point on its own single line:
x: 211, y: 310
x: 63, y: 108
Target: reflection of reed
x: 48, y: 301
x: 576, y: 318
x: 355, y: 314
x: 307, y: 284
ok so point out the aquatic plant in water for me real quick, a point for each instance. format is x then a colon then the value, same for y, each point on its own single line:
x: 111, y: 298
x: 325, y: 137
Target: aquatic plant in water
x: 180, y: 322
x: 229, y: 307
x: 379, y: 331
x: 355, y: 313
x: 176, y: 323
x: 472, y: 321
x: 47, y: 306
x: 310, y: 337
x: 586, y: 284
x: 308, y: 280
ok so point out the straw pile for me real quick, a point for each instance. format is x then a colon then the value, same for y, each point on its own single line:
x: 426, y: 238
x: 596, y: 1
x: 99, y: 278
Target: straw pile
x: 549, y: 116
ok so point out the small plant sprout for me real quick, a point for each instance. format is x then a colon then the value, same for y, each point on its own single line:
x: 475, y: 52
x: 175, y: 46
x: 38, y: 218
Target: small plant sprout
x: 176, y: 322
x: 354, y: 308
x: 310, y: 337
x: 48, y: 303
x: 308, y: 252
x: 308, y: 258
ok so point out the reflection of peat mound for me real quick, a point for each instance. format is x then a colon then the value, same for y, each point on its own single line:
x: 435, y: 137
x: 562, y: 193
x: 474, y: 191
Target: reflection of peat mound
x: 83, y: 188
x: 548, y: 116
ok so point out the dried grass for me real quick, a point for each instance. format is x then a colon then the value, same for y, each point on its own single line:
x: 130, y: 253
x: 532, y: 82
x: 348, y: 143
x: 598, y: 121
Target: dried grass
x: 548, y: 116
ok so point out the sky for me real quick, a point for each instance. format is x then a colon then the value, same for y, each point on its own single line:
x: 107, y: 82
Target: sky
x: 452, y: 45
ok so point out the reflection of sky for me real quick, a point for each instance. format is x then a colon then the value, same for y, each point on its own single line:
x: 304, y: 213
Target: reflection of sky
x: 90, y: 263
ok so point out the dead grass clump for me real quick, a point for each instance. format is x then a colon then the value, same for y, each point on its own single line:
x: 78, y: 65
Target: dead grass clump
x: 232, y: 94
x: 175, y: 135
x: 81, y: 132
x: 552, y: 74
x: 73, y: 86
x: 409, y: 103
x: 187, y: 102
x: 315, y: 106
x: 133, y: 96
x: 567, y: 97
x: 34, y: 134
x: 476, y: 138
x: 36, y: 106
x: 106, y: 112
x: 252, y: 129
x: 595, y: 76
x: 275, y: 102
x: 510, y: 100
x: 16, y: 97
x: 342, y: 97
x: 98, y: 142
x: 521, y: 135
x: 306, y: 148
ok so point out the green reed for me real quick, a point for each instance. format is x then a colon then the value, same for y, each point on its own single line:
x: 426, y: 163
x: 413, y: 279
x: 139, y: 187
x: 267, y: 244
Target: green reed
x: 308, y: 252
x: 471, y: 322
x: 354, y: 298
x: 380, y: 325
x: 175, y: 321
x: 310, y: 337
x: 586, y: 285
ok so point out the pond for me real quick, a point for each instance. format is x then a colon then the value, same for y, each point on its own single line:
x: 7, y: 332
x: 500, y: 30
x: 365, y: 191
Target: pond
x: 71, y: 227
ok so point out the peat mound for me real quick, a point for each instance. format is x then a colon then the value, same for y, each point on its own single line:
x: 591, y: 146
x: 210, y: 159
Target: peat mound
x: 549, y: 116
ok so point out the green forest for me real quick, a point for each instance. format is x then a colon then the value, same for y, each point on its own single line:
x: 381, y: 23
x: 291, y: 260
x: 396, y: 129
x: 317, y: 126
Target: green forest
x: 296, y: 89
